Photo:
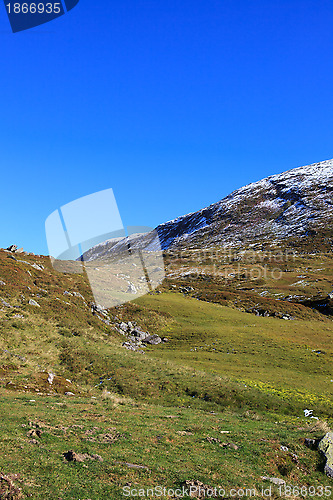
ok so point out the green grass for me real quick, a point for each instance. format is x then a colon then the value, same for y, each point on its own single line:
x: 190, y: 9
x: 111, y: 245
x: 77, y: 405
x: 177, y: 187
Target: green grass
x: 170, y: 441
x: 274, y: 354
x: 222, y: 369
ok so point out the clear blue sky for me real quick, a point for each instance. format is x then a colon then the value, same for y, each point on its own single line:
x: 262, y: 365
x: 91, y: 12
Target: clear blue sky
x: 172, y: 104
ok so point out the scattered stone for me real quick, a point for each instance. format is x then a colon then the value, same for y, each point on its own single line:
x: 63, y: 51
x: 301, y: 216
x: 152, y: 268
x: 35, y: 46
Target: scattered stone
x: 326, y: 448
x: 199, y: 490
x: 8, y: 490
x: 69, y: 394
x: 139, y: 335
x: 274, y: 480
x: 98, y: 309
x: 32, y: 302
x: 4, y: 303
x: 39, y: 267
x: 50, y: 378
x: 131, y: 288
x: 12, y: 248
x: 213, y: 440
x: 123, y: 326
x: 2, y: 283
x: 133, y: 466
x: 152, y: 339
x: 284, y: 448
x: 233, y: 446
x: 35, y: 433
x: 72, y: 456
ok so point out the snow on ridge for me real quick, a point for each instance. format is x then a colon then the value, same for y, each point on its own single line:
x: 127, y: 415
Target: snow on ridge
x: 298, y: 178
x: 307, y: 174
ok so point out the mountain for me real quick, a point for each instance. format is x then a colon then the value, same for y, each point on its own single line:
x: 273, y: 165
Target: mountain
x: 295, y: 207
x: 295, y: 204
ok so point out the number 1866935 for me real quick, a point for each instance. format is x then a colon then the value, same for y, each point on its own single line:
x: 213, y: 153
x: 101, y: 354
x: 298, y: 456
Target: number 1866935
x: 34, y: 8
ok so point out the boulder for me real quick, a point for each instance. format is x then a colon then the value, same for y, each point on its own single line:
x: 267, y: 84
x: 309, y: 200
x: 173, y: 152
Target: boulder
x: 152, y: 339
x: 139, y: 335
x: 326, y: 448
x: 12, y: 248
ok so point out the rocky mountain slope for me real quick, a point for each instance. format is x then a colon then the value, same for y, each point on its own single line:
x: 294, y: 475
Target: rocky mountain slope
x: 295, y: 204
x: 295, y: 207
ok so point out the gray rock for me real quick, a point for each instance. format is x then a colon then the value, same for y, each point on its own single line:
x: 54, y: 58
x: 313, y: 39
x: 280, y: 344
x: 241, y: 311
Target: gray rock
x: 96, y: 308
x: 274, y: 480
x: 131, y: 289
x: 326, y: 448
x: 12, y: 248
x: 123, y: 326
x: 152, y: 339
x: 39, y: 267
x: 2, y: 283
x: 4, y: 303
x: 138, y: 334
x: 32, y: 302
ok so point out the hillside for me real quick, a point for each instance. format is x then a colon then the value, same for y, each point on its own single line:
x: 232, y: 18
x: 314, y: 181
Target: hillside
x: 292, y: 205
x: 230, y: 385
x: 293, y: 209
x: 228, y: 361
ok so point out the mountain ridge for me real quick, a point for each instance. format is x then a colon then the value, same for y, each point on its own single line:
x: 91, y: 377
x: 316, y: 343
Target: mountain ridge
x: 282, y: 207
x: 292, y: 198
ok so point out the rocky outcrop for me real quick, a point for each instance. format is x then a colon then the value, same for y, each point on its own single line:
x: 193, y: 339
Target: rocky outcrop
x: 137, y: 339
x: 326, y: 448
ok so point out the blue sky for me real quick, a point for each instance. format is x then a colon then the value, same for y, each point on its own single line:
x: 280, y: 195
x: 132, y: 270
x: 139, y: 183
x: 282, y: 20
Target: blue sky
x: 172, y: 104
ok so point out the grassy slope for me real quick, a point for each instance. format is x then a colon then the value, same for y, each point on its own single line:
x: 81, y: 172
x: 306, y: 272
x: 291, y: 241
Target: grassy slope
x: 163, y: 415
